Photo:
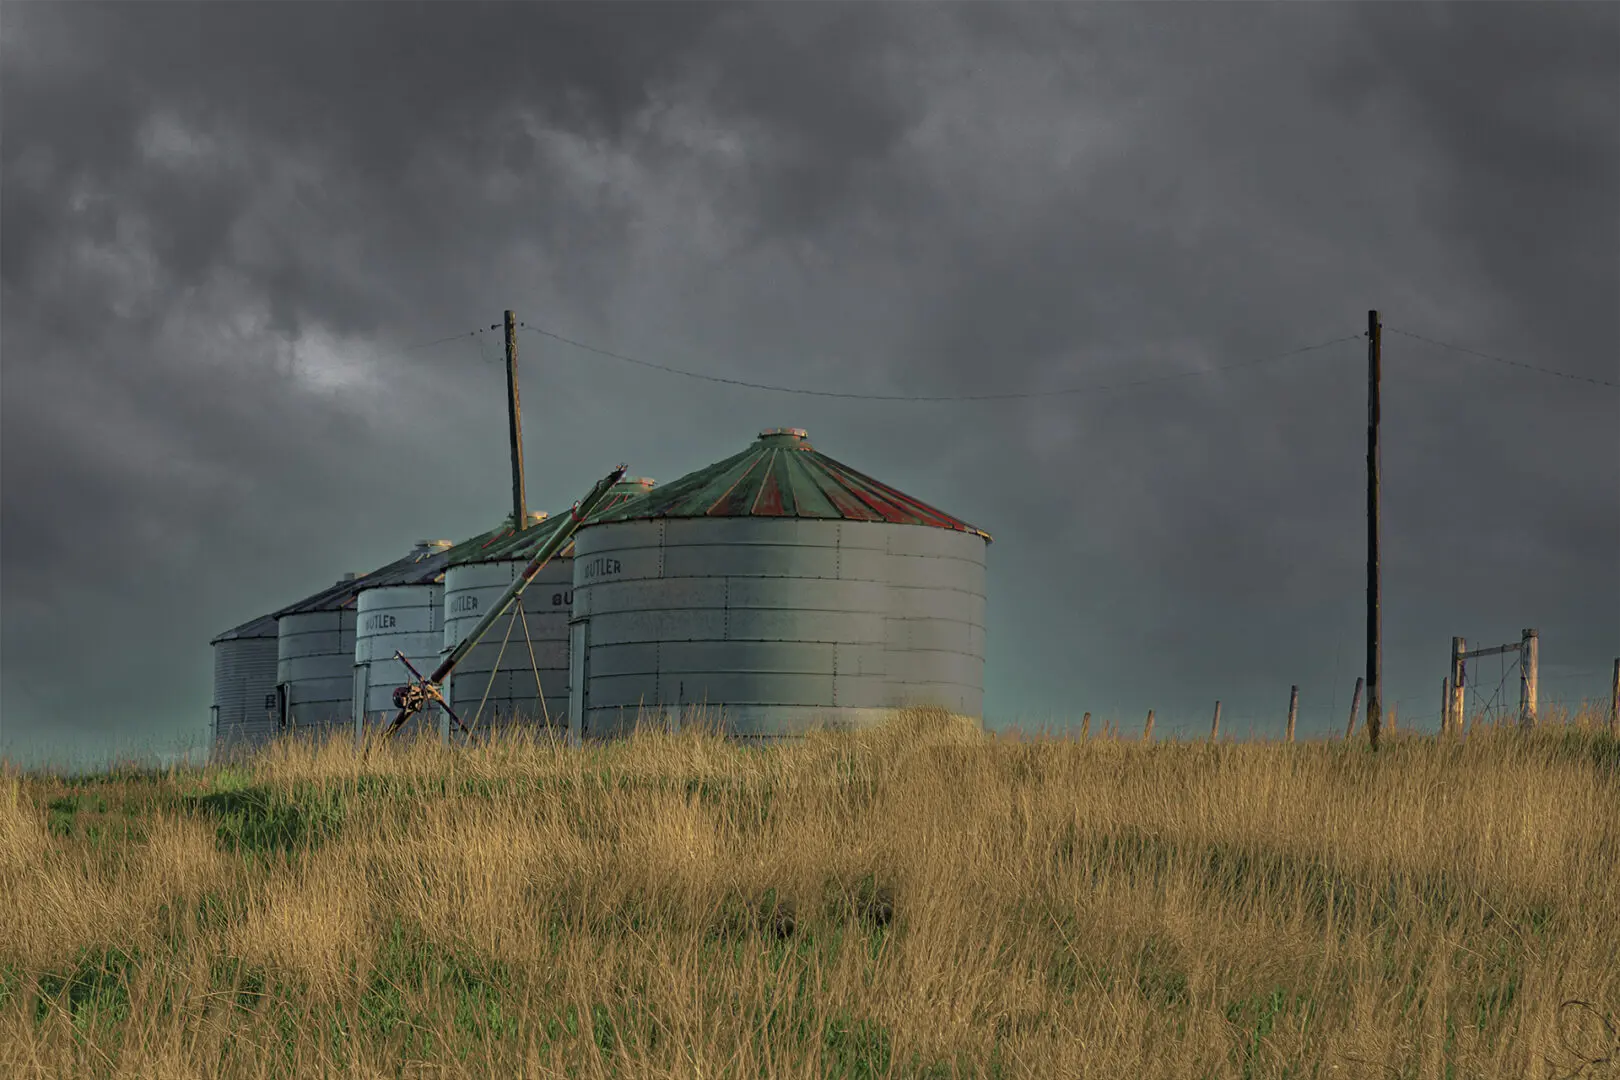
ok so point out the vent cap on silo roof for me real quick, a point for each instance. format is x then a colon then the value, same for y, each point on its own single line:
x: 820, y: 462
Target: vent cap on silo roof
x: 795, y: 437
x: 781, y: 475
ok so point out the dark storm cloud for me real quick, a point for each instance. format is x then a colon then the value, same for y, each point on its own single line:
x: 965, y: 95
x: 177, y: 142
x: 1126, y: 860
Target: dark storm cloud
x: 223, y: 224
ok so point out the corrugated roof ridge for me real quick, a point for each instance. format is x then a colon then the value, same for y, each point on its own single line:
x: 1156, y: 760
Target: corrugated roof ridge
x: 726, y: 498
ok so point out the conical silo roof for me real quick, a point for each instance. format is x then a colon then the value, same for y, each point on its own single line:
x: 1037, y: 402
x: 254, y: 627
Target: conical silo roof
x: 262, y: 627
x: 425, y: 562
x: 782, y: 476
x: 512, y: 545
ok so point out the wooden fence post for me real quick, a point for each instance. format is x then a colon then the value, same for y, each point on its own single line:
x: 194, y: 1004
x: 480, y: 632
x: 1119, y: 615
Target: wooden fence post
x: 1459, y: 692
x: 1085, y: 726
x: 1215, y: 725
x: 1293, y: 711
x: 1614, y: 703
x: 1355, y: 710
x: 1445, y: 706
x: 1147, y: 731
x: 1529, y: 665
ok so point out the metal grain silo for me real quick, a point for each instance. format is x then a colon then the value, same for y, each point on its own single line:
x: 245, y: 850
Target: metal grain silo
x: 512, y: 676
x: 397, y: 609
x: 315, y: 659
x: 780, y: 587
x: 244, y: 686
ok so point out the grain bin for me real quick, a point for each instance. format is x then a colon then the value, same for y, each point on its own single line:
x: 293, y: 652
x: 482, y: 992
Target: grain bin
x: 244, y: 686
x: 398, y: 611
x: 315, y: 659
x: 512, y: 676
x: 781, y: 588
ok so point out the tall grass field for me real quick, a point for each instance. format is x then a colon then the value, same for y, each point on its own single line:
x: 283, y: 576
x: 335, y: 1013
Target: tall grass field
x: 918, y: 900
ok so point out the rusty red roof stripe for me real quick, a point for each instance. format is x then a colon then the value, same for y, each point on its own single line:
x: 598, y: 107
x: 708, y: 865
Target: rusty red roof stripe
x: 917, y: 508
x: 769, y: 500
x: 875, y: 496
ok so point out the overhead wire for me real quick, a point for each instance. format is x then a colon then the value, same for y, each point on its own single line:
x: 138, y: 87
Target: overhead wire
x: 477, y: 337
x: 1502, y: 359
x: 850, y: 395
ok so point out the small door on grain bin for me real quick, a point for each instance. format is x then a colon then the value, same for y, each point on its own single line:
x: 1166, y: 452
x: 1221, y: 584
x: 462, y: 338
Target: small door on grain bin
x: 579, y: 643
x: 362, y: 687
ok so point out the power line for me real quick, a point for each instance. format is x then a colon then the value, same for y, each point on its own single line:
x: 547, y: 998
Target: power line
x: 923, y: 397
x: 447, y: 340
x: 1503, y: 360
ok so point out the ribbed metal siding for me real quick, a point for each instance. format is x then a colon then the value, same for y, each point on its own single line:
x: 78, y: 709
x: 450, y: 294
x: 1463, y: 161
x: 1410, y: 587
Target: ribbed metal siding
x: 469, y: 590
x: 244, y: 675
x: 781, y: 622
x: 406, y: 618
x: 934, y: 633
x: 315, y: 662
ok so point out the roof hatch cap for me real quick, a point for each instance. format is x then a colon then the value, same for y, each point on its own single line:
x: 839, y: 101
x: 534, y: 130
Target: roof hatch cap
x: 786, y: 436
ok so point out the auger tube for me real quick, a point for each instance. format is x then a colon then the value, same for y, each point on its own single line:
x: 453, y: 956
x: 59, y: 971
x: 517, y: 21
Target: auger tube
x: 428, y: 688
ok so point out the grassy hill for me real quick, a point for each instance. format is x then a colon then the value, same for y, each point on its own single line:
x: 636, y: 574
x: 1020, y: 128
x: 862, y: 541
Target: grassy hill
x: 917, y: 901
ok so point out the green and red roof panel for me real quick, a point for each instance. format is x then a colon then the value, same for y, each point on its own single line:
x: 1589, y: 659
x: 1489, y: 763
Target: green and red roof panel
x: 505, y: 544
x: 782, y: 475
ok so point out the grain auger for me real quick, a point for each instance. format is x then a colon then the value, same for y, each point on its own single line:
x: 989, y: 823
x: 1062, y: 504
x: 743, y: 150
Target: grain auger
x: 416, y: 694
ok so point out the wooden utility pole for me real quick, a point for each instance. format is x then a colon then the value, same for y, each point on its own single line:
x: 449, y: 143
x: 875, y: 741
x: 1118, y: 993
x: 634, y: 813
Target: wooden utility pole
x: 1147, y: 730
x: 1355, y: 710
x: 1375, y: 615
x: 1529, y: 676
x: 1215, y: 724
x: 514, y: 413
x: 1293, y: 711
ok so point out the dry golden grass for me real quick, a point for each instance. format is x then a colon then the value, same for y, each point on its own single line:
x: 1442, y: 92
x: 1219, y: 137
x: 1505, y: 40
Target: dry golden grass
x: 919, y: 900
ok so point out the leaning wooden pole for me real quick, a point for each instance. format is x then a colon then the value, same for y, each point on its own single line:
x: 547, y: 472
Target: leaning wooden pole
x: 1355, y: 710
x: 1147, y: 729
x: 1293, y: 711
x: 1215, y: 724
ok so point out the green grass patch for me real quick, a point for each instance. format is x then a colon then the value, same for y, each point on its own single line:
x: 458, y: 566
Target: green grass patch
x: 263, y: 820
x: 93, y: 992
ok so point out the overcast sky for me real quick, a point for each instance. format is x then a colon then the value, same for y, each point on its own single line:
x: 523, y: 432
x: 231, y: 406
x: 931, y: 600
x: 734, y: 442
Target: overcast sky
x: 228, y: 231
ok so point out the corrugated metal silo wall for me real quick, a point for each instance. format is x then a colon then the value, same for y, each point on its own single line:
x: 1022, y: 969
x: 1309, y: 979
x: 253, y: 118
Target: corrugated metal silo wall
x: 469, y: 590
x: 315, y: 662
x: 244, y: 676
x: 781, y: 622
x: 406, y: 618
x: 935, y: 629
